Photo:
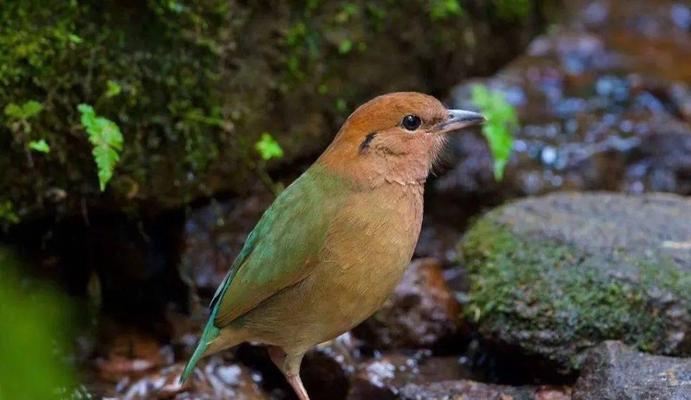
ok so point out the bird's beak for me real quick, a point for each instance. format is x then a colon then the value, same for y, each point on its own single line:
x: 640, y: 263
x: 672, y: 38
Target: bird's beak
x: 459, y: 119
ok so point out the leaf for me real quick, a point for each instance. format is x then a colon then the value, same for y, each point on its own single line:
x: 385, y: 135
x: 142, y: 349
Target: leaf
x: 27, y: 110
x: 498, y: 130
x: 443, y: 9
x: 31, y: 108
x: 74, y: 38
x: 40, y: 146
x: 113, y: 89
x: 345, y: 46
x: 106, y: 139
x: 268, y: 147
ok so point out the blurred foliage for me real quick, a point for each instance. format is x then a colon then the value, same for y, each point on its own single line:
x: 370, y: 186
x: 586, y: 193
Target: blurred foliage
x: 498, y: 130
x: 34, y: 337
x: 106, y: 138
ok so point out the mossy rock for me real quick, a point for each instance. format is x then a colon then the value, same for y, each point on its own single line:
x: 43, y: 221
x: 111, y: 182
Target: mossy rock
x: 193, y: 85
x: 555, y: 275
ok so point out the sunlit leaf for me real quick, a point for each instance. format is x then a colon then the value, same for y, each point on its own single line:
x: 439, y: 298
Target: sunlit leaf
x: 40, y: 146
x: 268, y: 147
x: 498, y: 130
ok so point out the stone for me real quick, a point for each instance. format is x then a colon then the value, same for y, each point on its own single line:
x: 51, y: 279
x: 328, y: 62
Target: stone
x: 617, y: 372
x: 420, y: 313
x: 555, y: 275
x: 469, y: 390
x: 383, y: 378
x: 595, y: 112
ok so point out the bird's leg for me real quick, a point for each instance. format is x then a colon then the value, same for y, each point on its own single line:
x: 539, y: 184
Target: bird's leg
x: 289, y: 364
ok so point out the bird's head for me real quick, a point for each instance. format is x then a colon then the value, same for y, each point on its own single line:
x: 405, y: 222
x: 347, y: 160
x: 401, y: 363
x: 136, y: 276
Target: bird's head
x: 394, y: 138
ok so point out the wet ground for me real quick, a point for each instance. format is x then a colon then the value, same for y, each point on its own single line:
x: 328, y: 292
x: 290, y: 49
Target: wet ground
x: 604, y: 99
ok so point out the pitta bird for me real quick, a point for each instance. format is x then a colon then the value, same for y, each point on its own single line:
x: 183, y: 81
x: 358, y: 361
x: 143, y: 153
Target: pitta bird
x: 334, y: 244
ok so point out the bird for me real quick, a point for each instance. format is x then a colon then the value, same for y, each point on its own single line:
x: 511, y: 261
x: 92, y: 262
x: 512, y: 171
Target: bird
x: 334, y: 244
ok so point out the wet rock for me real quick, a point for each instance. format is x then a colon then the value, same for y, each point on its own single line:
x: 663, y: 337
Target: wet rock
x: 469, y: 390
x: 603, y: 104
x: 421, y: 312
x: 384, y: 377
x: 327, y: 369
x: 615, y: 371
x: 131, y: 354
x: 553, y: 276
x: 213, y: 236
x: 215, y: 379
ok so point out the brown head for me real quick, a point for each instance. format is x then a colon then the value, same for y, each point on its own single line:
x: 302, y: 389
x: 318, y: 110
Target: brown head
x: 394, y: 138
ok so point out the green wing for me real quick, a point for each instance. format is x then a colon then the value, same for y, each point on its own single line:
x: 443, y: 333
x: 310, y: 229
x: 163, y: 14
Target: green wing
x: 283, y: 247
x: 279, y: 252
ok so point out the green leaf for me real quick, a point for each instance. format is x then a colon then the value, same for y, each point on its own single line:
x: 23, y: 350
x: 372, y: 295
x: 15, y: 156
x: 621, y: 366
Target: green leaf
x: 113, y: 89
x: 106, y: 139
x: 36, y: 335
x: 31, y: 108
x: 27, y: 110
x: 74, y: 38
x: 40, y: 146
x: 268, y: 147
x: 7, y: 213
x: 345, y: 46
x: 498, y: 130
x: 443, y: 9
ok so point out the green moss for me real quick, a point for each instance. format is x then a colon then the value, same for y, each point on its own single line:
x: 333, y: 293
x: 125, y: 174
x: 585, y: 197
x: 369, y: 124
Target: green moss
x: 520, y: 285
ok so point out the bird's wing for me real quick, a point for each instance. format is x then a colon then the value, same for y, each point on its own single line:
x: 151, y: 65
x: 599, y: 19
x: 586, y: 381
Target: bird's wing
x: 282, y: 249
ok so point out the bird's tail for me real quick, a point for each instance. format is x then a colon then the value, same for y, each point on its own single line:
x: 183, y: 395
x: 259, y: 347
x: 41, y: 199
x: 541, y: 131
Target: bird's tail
x: 209, y: 334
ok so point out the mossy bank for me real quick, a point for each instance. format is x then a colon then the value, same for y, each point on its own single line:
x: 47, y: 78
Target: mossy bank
x: 556, y: 275
x: 193, y: 85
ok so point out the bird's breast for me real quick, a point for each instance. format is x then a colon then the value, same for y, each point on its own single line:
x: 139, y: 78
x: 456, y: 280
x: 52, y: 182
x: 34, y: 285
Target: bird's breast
x: 367, y: 248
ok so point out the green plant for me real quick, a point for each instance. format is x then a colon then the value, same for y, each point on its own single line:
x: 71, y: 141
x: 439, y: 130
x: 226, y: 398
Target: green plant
x: 24, y: 112
x: 443, y: 9
x: 7, y: 214
x: 112, y: 89
x: 268, y: 147
x: 34, y: 337
x: 40, y: 146
x: 498, y: 130
x: 106, y: 139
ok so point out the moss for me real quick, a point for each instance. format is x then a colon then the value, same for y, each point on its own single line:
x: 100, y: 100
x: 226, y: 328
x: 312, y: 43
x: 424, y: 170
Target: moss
x: 197, y: 81
x: 558, y: 300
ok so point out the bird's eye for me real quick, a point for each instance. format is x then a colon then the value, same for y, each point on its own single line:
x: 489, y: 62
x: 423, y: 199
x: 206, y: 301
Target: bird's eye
x: 411, y: 122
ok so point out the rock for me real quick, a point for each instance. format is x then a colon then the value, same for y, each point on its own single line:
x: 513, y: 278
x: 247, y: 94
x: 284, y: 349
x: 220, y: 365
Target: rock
x: 553, y: 276
x: 615, y: 371
x: 215, y: 379
x: 213, y: 236
x: 327, y: 369
x: 192, y: 99
x: 469, y: 390
x: 384, y: 377
x: 596, y: 113
x: 420, y: 313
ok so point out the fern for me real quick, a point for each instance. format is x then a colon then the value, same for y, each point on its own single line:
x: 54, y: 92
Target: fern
x: 106, y: 139
x: 498, y: 130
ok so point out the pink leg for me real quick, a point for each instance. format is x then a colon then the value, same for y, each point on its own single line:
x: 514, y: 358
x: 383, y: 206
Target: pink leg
x: 289, y: 364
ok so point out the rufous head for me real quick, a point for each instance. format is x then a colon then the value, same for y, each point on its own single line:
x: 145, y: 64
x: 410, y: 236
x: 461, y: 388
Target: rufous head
x: 395, y: 137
